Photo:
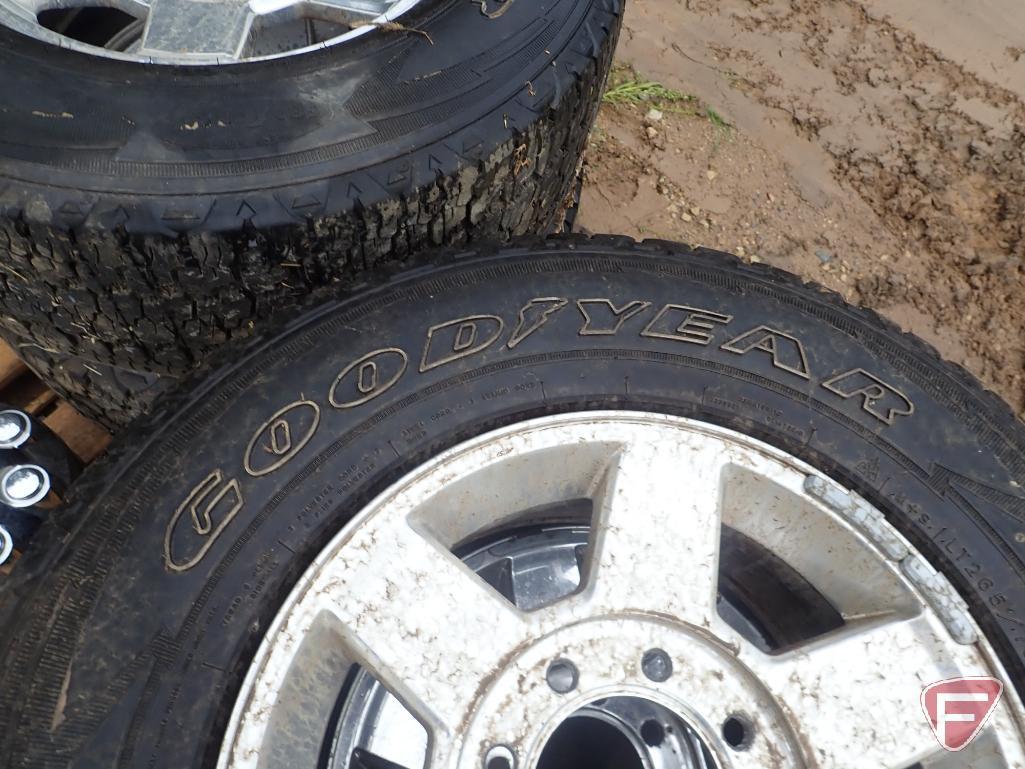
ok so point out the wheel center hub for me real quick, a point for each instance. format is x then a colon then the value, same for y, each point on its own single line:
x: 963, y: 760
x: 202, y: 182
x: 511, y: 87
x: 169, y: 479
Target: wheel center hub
x: 601, y: 684
x: 588, y: 742
x: 624, y: 733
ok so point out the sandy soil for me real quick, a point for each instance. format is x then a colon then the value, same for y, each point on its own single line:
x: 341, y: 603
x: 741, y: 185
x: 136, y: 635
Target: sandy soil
x: 874, y: 146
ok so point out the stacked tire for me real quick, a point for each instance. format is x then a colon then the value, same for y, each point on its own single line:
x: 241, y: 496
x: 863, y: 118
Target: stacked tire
x: 152, y: 212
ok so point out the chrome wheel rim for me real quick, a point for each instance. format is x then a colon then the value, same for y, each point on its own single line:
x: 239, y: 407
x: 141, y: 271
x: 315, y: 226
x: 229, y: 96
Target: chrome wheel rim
x: 469, y: 672
x: 198, y: 32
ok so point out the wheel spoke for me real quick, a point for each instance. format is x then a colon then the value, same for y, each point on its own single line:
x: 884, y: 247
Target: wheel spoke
x: 861, y: 687
x: 420, y: 620
x: 658, y: 531
x: 196, y: 28
x: 27, y: 10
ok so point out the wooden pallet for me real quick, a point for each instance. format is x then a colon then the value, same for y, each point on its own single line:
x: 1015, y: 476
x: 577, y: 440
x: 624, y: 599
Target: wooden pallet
x: 20, y: 388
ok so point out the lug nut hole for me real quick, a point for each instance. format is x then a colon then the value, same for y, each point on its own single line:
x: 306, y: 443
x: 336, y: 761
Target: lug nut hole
x: 656, y: 665
x: 562, y: 676
x: 653, y: 733
x: 500, y: 757
x: 738, y: 732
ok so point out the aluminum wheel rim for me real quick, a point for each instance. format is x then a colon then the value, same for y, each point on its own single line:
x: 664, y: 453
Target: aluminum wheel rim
x: 205, y: 32
x: 388, y: 594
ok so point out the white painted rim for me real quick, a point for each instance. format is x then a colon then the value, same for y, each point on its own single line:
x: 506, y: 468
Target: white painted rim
x: 470, y: 666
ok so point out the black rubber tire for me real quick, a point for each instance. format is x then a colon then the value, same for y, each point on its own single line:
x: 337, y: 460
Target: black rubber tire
x: 111, y: 658
x: 149, y: 214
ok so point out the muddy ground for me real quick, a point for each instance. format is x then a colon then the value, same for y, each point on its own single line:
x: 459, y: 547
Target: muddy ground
x: 874, y: 146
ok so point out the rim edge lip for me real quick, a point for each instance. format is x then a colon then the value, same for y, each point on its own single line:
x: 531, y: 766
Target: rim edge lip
x: 567, y: 419
x: 42, y: 34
